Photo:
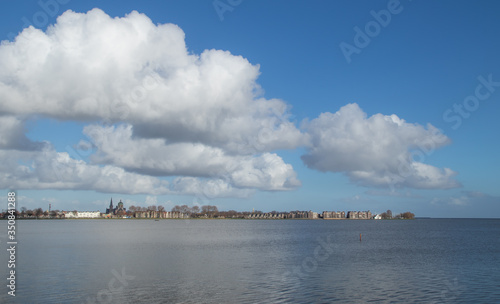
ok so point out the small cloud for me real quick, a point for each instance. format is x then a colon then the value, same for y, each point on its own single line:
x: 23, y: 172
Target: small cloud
x: 394, y: 193
x: 467, y: 198
x: 476, y: 194
x: 459, y: 201
x: 357, y: 199
x: 151, y: 200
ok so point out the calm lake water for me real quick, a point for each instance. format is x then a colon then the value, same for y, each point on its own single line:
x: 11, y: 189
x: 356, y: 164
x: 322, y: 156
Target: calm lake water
x: 256, y: 261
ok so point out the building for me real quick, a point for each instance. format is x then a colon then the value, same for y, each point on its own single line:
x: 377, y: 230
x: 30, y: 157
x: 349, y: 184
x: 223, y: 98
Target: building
x: 89, y: 214
x: 82, y: 214
x: 359, y: 215
x: 110, y: 210
x: 70, y: 214
x: 160, y: 214
x: 312, y: 215
x: 333, y: 215
x: 118, y: 210
x: 328, y: 215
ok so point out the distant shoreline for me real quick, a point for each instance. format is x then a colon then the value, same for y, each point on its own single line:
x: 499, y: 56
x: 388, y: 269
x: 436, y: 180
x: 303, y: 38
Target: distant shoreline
x: 214, y: 218
x: 205, y: 212
x: 300, y: 219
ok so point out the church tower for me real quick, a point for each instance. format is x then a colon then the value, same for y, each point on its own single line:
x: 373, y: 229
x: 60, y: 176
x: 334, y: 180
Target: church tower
x: 110, y: 209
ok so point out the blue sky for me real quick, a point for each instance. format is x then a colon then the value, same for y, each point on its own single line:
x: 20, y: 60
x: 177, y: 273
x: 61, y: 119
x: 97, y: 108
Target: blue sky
x: 430, y: 63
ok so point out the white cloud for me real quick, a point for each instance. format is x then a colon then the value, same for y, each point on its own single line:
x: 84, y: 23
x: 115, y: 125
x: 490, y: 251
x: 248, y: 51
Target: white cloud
x: 116, y: 146
x: 466, y: 198
x: 206, y: 189
x: 12, y: 135
x: 386, y: 192
x: 49, y: 169
x: 151, y: 200
x: 94, y: 67
x: 378, y: 151
x: 198, y: 117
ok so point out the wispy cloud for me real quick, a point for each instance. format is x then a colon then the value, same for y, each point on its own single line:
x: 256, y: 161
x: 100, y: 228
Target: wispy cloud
x: 467, y: 198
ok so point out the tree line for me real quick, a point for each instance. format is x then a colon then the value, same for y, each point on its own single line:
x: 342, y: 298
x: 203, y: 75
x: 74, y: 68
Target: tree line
x: 205, y: 211
x: 209, y: 211
x: 405, y: 215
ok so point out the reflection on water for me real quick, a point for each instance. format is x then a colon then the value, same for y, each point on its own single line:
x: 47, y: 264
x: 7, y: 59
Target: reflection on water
x: 257, y: 261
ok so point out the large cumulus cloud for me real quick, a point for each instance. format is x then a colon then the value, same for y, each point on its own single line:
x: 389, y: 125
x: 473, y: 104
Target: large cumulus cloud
x: 167, y: 112
x: 93, y: 67
x: 381, y: 150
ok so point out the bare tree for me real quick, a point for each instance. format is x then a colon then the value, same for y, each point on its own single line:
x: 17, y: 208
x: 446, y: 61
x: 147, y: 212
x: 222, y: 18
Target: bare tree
x: 204, y: 209
x: 38, y: 212
x: 232, y: 213
x: 176, y: 208
x: 161, y: 208
x: 214, y: 211
x: 210, y: 211
x: 386, y: 215
x: 185, y: 209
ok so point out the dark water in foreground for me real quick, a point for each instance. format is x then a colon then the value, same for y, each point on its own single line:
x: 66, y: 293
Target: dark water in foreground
x: 255, y: 261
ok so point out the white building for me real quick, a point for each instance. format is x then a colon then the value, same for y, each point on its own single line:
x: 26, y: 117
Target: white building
x: 89, y: 214
x: 82, y: 214
x: 70, y: 214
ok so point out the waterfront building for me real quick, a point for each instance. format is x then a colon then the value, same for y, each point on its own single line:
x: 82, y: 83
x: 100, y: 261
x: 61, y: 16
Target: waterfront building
x: 82, y: 214
x: 118, y: 210
x: 160, y: 214
x: 328, y: 215
x: 333, y: 215
x: 89, y: 214
x: 359, y: 215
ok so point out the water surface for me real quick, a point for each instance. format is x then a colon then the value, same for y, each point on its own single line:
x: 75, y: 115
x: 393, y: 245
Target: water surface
x: 256, y: 261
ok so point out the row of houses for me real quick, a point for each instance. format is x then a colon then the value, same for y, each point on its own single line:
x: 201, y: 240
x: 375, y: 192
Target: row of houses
x: 160, y: 214
x: 333, y: 214
x: 328, y: 215
x: 356, y: 215
x: 359, y: 215
x: 284, y: 215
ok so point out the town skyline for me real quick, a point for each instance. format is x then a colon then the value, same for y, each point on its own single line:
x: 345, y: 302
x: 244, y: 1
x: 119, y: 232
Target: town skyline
x: 119, y: 211
x: 252, y: 105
